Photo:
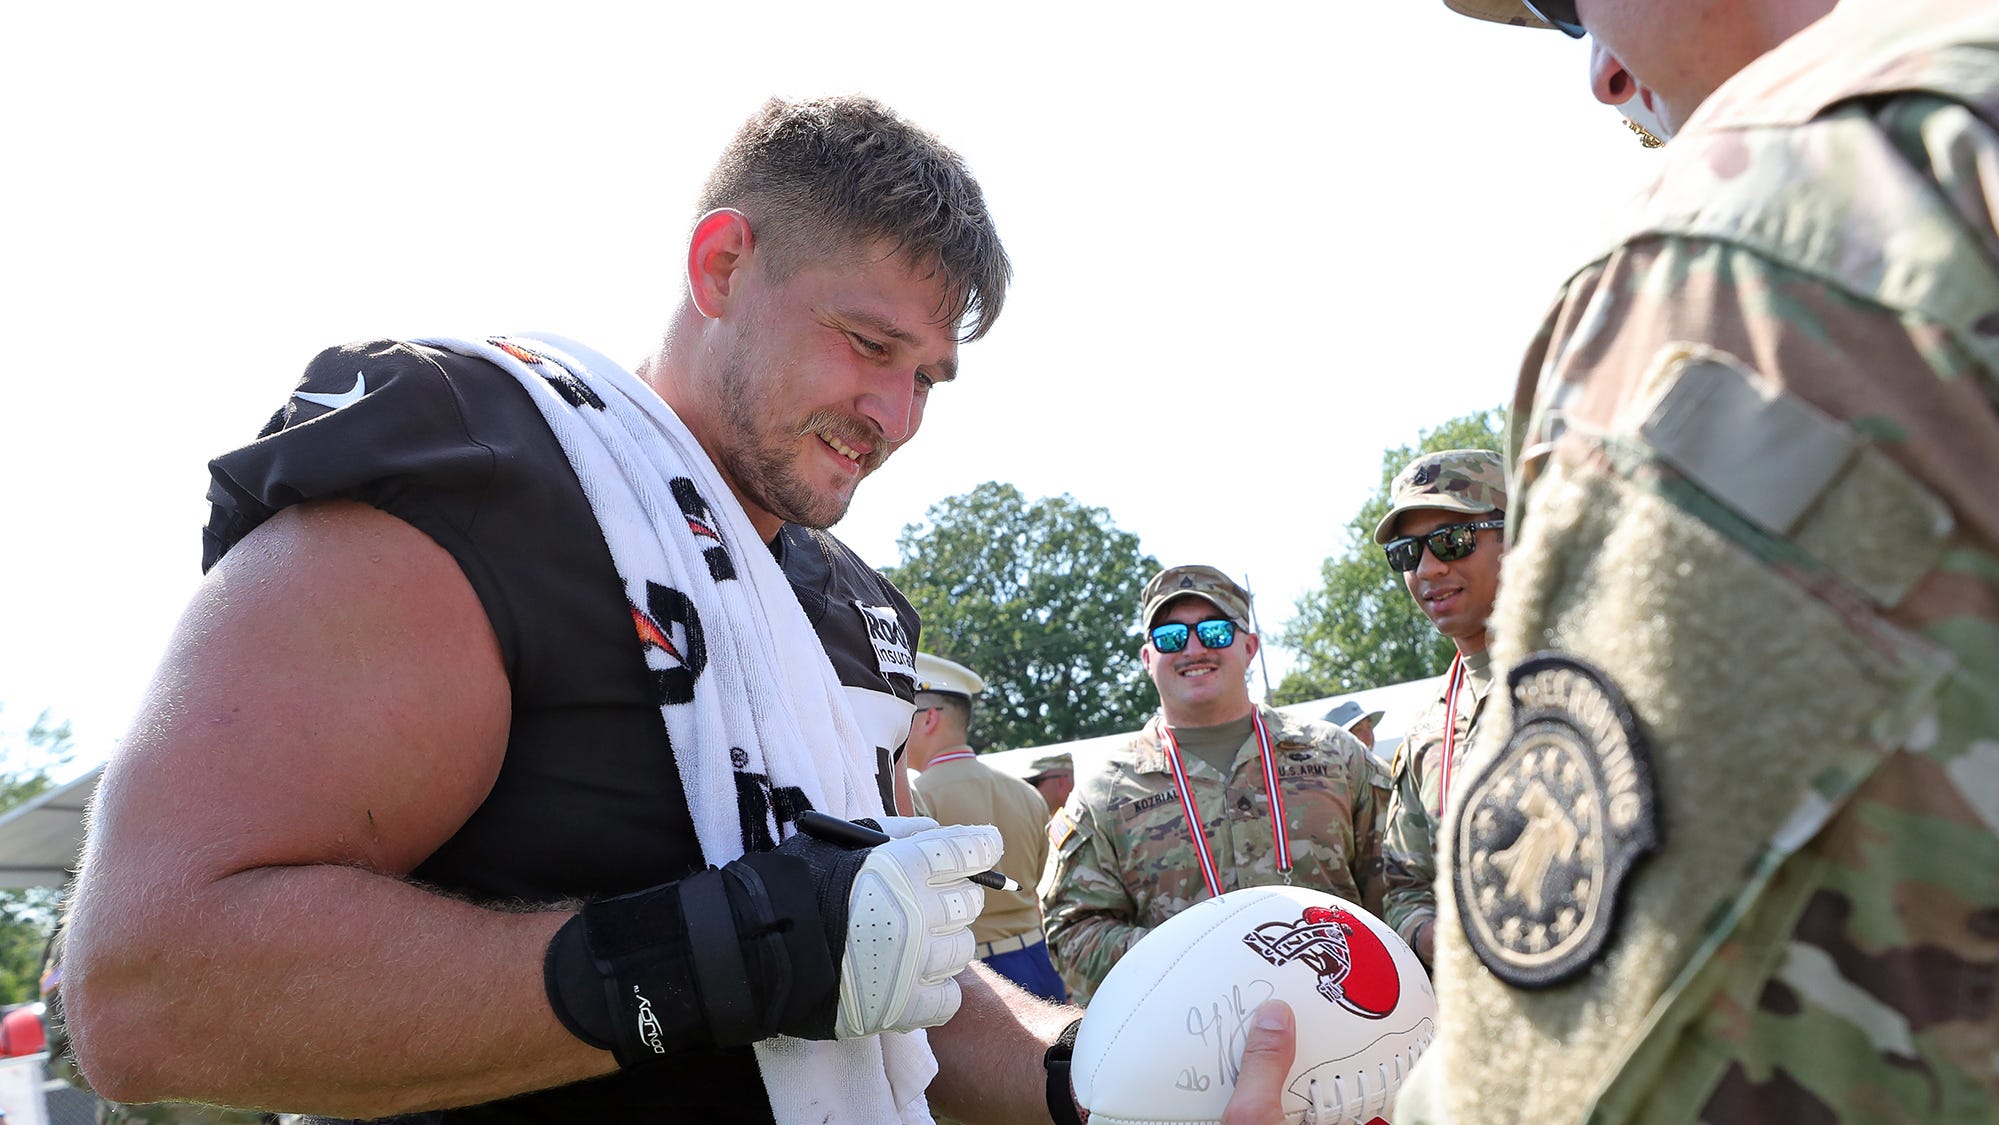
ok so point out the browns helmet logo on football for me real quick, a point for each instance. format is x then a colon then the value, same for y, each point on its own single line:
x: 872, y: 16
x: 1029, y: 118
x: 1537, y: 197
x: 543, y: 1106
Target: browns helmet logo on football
x: 1355, y: 969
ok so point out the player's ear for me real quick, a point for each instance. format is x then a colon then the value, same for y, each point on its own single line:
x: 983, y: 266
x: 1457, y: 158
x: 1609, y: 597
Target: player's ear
x: 716, y: 254
x: 1251, y: 643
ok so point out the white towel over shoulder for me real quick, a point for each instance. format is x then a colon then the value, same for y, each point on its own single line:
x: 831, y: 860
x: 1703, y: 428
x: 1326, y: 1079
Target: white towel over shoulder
x: 748, y: 686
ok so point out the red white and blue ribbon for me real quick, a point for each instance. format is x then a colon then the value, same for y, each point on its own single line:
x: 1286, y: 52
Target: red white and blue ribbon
x: 1197, y: 828
x: 1450, y: 747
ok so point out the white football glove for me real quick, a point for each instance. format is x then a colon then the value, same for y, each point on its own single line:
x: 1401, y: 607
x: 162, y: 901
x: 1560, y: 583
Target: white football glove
x: 897, y: 827
x: 909, y: 925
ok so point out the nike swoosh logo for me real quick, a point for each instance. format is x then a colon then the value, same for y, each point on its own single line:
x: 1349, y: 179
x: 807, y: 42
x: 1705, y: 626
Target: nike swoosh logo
x: 348, y: 397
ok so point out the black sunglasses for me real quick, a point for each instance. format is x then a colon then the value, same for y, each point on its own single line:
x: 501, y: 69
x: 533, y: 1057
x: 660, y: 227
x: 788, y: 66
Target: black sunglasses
x: 1216, y: 632
x: 1561, y: 13
x: 1449, y: 543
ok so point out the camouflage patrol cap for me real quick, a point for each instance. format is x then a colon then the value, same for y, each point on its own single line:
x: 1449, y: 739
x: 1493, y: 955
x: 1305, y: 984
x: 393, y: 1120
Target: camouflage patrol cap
x: 1472, y: 481
x: 1204, y: 582
x: 1498, y: 11
x: 1050, y: 764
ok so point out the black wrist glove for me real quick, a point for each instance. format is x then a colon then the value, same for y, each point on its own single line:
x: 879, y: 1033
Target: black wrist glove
x: 722, y: 958
x: 763, y: 947
x: 832, y: 868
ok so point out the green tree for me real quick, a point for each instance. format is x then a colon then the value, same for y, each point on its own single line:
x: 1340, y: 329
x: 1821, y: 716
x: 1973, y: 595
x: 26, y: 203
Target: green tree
x: 27, y: 916
x: 1040, y: 599
x: 1360, y: 628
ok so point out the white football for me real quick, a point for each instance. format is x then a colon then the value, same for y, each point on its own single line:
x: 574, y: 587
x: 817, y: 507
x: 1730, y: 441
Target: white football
x: 1162, y: 1040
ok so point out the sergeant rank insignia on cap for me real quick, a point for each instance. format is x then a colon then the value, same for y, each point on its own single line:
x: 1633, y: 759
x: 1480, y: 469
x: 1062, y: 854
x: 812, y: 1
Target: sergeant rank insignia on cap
x: 1549, y: 830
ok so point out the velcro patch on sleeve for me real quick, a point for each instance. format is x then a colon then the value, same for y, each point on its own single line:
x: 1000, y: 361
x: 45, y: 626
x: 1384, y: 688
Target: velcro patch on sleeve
x: 1547, y: 835
x: 1763, y: 451
x: 1794, y: 472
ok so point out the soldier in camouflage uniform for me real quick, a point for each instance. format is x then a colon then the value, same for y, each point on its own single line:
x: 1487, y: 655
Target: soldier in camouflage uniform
x: 1729, y: 847
x: 1123, y: 857
x: 1443, y: 533
x: 62, y: 1065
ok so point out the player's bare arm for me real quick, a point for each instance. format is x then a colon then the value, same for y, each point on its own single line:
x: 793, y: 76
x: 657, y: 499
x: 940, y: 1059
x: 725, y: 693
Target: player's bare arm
x: 989, y: 1056
x: 332, y: 707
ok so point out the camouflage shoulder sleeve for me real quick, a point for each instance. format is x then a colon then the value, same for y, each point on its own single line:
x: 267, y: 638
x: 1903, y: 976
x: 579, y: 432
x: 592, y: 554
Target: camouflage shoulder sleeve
x: 1087, y: 912
x: 1408, y: 847
x: 1730, y: 855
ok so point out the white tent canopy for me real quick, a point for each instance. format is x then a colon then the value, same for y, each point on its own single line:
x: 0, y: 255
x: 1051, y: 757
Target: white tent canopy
x: 40, y: 839
x: 1400, y: 705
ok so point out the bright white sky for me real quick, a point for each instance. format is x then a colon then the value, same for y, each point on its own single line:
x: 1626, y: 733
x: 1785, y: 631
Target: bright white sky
x: 1254, y: 244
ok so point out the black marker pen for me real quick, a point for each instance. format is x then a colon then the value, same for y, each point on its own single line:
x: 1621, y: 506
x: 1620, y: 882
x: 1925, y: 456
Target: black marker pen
x: 847, y: 834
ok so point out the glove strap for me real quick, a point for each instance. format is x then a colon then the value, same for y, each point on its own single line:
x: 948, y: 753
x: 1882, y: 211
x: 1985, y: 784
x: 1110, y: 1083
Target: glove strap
x: 717, y: 954
x: 1061, y: 1093
x: 721, y: 958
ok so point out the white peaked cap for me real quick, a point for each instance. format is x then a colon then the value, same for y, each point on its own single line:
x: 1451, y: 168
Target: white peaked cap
x: 934, y: 673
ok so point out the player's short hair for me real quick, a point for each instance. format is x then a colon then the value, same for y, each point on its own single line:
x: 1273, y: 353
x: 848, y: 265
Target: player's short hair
x: 819, y: 177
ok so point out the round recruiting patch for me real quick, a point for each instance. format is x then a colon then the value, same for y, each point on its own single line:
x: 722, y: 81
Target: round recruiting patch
x: 1547, y: 834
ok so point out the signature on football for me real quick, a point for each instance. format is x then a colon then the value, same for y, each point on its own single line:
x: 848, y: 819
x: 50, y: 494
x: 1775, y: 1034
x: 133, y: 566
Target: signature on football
x: 1223, y: 1025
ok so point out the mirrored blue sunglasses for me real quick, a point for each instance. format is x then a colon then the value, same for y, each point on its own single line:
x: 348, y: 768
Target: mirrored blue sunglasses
x: 1216, y: 632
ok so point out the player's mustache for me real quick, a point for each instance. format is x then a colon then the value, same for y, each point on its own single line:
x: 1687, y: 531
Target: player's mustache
x: 855, y: 433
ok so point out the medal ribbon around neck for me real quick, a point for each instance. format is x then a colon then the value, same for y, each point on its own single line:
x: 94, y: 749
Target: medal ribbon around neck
x: 954, y: 756
x: 1458, y: 674
x: 1197, y: 828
